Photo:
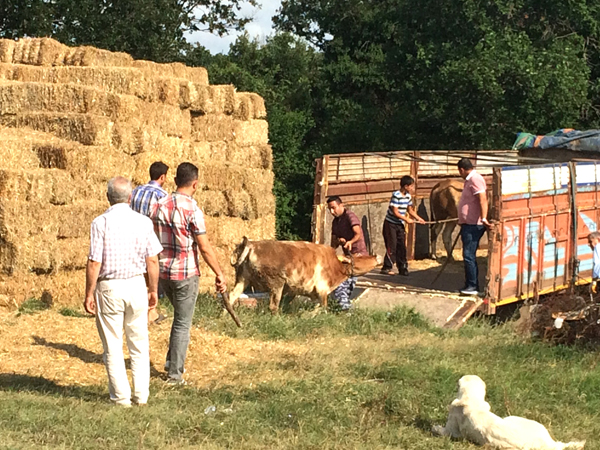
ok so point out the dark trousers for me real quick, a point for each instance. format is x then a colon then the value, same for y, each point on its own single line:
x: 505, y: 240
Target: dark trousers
x: 471, y: 235
x: 394, y: 237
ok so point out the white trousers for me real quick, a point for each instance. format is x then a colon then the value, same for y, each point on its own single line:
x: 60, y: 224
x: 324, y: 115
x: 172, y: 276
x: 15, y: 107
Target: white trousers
x: 124, y: 304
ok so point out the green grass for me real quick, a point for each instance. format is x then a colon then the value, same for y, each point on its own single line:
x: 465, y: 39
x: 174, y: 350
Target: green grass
x: 370, y: 380
x: 32, y: 306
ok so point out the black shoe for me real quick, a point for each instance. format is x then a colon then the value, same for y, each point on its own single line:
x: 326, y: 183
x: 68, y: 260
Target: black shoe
x: 404, y: 271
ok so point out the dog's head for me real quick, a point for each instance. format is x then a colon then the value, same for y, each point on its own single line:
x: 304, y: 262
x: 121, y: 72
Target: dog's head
x: 471, y: 389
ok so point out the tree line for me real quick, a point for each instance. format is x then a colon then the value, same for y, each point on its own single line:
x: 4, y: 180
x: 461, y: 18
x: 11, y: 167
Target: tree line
x: 363, y: 75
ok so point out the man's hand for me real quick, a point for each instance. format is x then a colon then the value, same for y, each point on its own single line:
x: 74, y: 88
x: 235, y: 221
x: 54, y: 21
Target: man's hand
x: 90, y: 305
x: 348, y: 246
x: 421, y: 220
x: 221, y: 283
x: 342, y: 241
x: 486, y: 223
x: 594, y: 286
x: 408, y: 219
x: 152, y: 300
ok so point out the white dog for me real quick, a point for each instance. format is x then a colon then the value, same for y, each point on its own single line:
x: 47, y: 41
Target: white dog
x: 470, y: 418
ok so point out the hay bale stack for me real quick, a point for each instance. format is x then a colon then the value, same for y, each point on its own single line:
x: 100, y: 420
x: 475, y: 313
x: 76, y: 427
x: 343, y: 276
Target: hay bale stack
x: 72, y: 118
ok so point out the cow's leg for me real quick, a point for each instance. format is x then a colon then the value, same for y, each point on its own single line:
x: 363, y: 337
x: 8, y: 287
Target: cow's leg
x: 447, y: 238
x: 240, y: 285
x: 275, y: 298
x: 435, y: 232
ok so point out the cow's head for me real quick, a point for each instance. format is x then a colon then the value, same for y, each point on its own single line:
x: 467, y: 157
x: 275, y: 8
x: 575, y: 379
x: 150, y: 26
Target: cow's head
x: 359, y: 265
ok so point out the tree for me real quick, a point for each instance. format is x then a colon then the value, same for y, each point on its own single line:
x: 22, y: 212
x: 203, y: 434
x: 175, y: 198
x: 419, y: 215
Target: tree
x: 147, y: 29
x: 284, y: 72
x: 449, y: 73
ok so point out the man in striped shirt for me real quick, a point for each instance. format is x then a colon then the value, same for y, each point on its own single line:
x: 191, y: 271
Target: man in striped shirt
x: 181, y: 230
x: 144, y: 197
x: 123, y: 246
x: 400, y: 212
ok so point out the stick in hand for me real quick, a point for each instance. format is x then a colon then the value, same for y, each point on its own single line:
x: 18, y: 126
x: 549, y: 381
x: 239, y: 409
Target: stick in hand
x: 230, y: 310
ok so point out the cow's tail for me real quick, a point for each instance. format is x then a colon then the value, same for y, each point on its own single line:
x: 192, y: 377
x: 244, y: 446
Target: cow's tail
x: 241, y: 252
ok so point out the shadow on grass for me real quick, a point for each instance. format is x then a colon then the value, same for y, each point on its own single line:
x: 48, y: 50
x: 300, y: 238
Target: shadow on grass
x: 87, y: 356
x: 73, y: 350
x: 10, y: 382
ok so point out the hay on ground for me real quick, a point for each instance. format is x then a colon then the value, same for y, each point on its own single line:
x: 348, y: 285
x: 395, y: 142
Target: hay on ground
x: 251, y: 132
x: 65, y: 287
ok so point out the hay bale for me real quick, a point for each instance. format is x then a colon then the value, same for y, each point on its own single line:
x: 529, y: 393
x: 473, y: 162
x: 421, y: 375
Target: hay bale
x: 239, y: 204
x: 211, y: 128
x: 248, y: 106
x: 212, y: 203
x: 7, y: 50
x: 252, y: 156
x: 53, y: 186
x: 17, y: 150
x: 251, y: 132
x: 93, y: 164
x: 95, y: 57
x: 226, y: 231
x: 86, y: 129
x: 262, y: 228
x: 222, y: 99
x: 171, y: 155
x: 197, y: 75
x: 219, y: 177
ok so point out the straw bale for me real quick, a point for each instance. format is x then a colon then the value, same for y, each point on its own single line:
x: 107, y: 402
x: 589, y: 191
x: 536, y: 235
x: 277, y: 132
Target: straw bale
x: 93, y: 164
x: 21, y: 220
x: 263, y: 206
x: 171, y: 70
x: 222, y: 98
x: 262, y: 228
x: 199, y: 152
x: 38, y: 185
x: 16, y: 151
x: 6, y: 71
x: 197, y: 75
x: 65, y: 287
x: 212, y: 127
x: 239, y: 204
x: 220, y: 177
x: 251, y: 132
x: 248, y: 106
x: 87, y: 129
x: 7, y: 50
x: 95, y: 57
x: 212, y: 203
x: 226, y: 231
x: 251, y: 156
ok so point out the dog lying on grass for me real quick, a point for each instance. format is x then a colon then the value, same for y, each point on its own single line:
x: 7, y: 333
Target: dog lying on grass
x: 470, y: 418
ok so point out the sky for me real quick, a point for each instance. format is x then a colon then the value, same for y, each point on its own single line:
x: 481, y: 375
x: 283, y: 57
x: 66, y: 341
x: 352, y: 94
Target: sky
x: 260, y: 27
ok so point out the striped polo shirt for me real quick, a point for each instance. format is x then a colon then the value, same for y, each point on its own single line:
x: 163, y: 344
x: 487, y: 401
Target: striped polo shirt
x: 400, y: 201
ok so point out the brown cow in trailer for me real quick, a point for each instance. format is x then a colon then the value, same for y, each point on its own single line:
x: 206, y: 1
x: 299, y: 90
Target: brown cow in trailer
x: 298, y: 268
x: 443, y: 203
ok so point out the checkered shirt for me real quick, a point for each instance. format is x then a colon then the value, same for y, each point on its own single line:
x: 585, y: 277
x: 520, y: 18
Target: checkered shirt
x: 144, y: 197
x: 121, y: 240
x: 178, y: 219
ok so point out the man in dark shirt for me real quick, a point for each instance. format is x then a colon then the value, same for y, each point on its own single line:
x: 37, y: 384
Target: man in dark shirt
x: 345, y: 231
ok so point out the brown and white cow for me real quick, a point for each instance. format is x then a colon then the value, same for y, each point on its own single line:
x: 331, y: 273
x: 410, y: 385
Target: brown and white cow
x: 298, y: 268
x: 443, y: 203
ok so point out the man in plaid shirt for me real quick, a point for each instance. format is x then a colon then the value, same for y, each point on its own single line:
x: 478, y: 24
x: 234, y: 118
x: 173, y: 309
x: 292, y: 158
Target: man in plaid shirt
x: 181, y: 230
x: 144, y: 197
x: 123, y: 246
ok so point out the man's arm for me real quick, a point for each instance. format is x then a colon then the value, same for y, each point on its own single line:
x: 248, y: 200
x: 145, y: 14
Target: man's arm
x: 357, y: 230
x: 484, y: 207
x: 209, y: 256
x: 92, y: 271
x: 152, y: 268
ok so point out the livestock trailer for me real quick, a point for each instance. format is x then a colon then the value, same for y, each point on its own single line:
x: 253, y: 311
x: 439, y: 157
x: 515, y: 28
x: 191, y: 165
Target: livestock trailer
x: 541, y: 213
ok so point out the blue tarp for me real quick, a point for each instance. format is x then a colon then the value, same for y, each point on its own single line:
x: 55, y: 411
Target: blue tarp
x: 566, y: 138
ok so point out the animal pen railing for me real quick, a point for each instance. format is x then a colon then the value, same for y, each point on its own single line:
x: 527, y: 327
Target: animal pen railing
x: 542, y: 213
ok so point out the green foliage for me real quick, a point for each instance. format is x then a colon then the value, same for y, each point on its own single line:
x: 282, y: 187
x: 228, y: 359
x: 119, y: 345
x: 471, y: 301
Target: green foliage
x: 71, y: 312
x: 33, y: 305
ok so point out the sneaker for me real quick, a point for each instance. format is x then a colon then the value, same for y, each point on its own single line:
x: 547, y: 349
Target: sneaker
x: 469, y: 291
x: 168, y: 364
x: 176, y: 382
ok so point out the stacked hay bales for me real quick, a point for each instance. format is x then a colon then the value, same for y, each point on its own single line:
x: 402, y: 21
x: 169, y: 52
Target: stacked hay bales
x: 72, y: 118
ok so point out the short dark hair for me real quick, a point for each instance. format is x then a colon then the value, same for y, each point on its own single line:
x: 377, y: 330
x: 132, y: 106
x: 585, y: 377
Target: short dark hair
x: 334, y: 198
x: 406, y: 180
x: 187, y: 173
x: 158, y: 169
x: 465, y: 164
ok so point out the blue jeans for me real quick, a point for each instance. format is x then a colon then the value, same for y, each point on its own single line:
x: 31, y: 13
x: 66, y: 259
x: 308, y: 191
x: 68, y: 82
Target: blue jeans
x: 471, y: 235
x: 183, y: 295
x: 343, y: 292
